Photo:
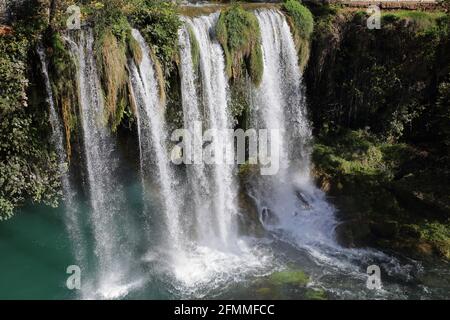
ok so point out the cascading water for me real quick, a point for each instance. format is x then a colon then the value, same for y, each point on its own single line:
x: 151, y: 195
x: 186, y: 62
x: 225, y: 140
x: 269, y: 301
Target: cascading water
x: 112, y: 250
x: 279, y: 104
x: 291, y: 207
x: 215, y: 114
x: 197, y: 203
x: 153, y: 138
x: 218, y: 253
x: 57, y: 138
x: 196, y: 172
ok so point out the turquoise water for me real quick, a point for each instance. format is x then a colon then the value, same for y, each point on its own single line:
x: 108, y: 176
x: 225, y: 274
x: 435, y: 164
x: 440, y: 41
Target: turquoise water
x: 35, y: 252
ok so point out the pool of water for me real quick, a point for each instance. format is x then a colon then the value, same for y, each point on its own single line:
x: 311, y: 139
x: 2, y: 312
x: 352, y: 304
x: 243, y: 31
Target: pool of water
x: 36, y: 251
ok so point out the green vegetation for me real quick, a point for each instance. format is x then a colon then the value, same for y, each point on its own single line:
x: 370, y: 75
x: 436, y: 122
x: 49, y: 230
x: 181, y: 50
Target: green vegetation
x: 159, y: 22
x: 380, y: 106
x: 195, y: 49
x: 112, y: 60
x: 238, y: 33
x: 289, y: 277
x: 316, y: 294
x: 419, y: 20
x: 439, y: 234
x: 368, y: 83
x: 62, y: 72
x: 28, y: 166
x: 301, y: 16
x: 391, y: 195
x: 302, y: 26
x: 113, y: 41
x: 359, y: 153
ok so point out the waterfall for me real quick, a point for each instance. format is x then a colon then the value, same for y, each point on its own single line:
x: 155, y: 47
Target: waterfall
x: 111, y: 232
x: 289, y: 197
x: 57, y: 138
x: 217, y: 253
x: 153, y: 139
x: 214, y: 104
x: 196, y: 172
x: 290, y: 205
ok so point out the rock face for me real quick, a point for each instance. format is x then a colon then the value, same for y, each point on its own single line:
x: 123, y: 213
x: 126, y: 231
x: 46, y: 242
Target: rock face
x: 6, y: 10
x: 3, y: 14
x: 388, y: 194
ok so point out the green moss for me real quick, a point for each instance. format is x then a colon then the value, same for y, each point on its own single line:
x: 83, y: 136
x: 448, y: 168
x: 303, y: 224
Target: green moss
x: 289, y: 277
x: 195, y: 48
x: 419, y: 20
x: 302, y: 25
x: 439, y: 235
x: 302, y: 17
x: 359, y: 153
x: 62, y: 74
x: 112, y: 61
x: 315, y: 294
x: 239, y: 34
x: 256, y: 64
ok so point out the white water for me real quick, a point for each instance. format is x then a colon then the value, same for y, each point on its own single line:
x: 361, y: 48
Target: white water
x: 291, y: 206
x: 112, y: 250
x: 214, y: 101
x: 72, y: 222
x: 205, y: 250
x: 217, y: 255
x: 153, y: 139
x: 278, y: 103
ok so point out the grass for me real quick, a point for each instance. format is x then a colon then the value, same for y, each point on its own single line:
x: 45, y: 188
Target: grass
x: 421, y: 20
x: 358, y: 153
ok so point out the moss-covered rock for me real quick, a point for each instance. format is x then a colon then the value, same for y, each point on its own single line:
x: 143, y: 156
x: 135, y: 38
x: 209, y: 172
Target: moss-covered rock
x: 112, y: 61
x: 289, y: 277
x: 238, y: 32
x: 301, y: 22
x: 62, y: 71
x: 316, y: 294
x: 195, y: 48
x: 364, y: 176
x: 158, y: 22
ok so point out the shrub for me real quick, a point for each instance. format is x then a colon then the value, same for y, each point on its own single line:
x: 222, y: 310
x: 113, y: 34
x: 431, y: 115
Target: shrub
x: 159, y: 22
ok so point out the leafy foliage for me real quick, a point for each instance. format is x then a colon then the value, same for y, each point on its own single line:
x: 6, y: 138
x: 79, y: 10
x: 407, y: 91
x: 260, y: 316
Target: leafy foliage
x: 28, y: 166
x: 159, y: 23
x: 370, y: 78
